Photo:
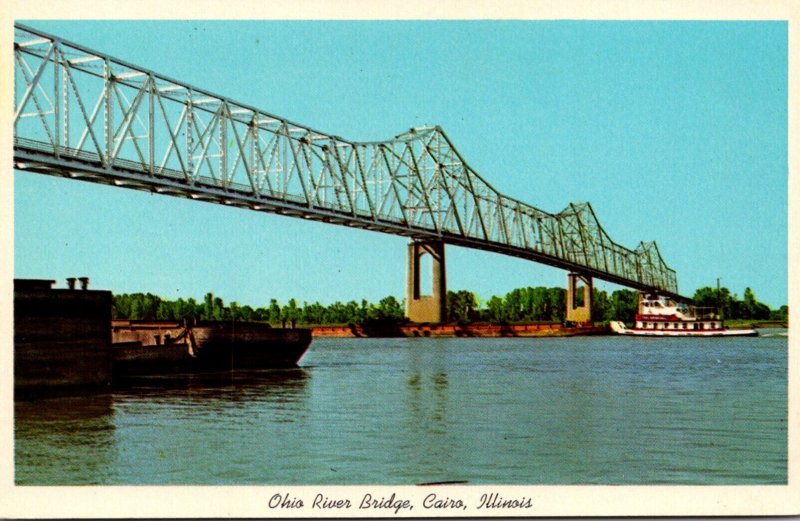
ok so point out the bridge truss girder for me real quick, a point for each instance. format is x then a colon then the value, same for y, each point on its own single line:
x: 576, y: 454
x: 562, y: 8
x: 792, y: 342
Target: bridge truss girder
x: 85, y: 115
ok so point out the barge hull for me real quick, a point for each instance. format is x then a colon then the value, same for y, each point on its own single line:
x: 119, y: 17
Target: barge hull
x: 162, y: 347
x: 61, y: 338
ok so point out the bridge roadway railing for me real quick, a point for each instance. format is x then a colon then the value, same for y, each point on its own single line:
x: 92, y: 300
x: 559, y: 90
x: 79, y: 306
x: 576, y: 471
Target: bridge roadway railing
x: 83, y: 114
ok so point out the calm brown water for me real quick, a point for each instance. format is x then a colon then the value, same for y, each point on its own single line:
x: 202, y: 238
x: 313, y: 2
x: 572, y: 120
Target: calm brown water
x: 609, y: 410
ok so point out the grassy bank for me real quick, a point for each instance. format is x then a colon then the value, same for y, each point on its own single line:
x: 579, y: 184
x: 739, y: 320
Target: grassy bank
x: 754, y: 324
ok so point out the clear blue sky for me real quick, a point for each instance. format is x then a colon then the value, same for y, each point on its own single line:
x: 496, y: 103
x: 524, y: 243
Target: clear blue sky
x: 674, y: 131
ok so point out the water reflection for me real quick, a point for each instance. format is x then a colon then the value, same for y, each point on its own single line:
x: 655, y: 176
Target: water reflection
x: 403, y: 411
x: 428, y: 430
x: 284, y: 392
x: 65, y: 440
x: 427, y: 400
x: 278, y: 384
x: 151, y: 429
x: 427, y: 391
x: 64, y: 409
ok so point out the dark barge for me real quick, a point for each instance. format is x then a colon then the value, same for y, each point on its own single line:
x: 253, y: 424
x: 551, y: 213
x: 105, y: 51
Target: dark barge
x: 149, y: 347
x: 65, y: 339
x: 62, y: 337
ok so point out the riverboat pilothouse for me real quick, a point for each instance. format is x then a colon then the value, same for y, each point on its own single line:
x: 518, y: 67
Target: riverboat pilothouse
x: 661, y: 316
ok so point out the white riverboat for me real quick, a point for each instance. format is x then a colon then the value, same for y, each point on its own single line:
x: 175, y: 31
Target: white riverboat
x: 661, y: 316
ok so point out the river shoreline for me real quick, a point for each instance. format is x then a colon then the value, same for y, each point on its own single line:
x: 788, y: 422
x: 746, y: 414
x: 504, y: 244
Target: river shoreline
x: 454, y: 330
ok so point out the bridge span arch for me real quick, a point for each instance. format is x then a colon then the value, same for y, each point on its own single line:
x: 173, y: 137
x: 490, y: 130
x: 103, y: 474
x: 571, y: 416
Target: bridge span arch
x: 85, y: 115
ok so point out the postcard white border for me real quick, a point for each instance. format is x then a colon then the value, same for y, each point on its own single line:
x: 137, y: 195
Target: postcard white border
x: 252, y: 501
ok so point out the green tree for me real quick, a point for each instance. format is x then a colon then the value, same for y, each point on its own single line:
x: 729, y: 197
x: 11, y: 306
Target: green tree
x: 290, y: 312
x: 624, y: 304
x: 311, y: 313
x: 247, y: 314
x: 781, y: 314
x: 218, y: 308
x: 136, y: 309
x: 602, y: 308
x: 707, y: 297
x: 336, y: 313
x: 540, y: 305
x: 558, y: 304
x: 461, y: 306
x: 233, y: 311
x: 353, y: 313
x: 165, y: 311
x: 732, y: 307
x: 389, y: 308
x: 496, y: 309
x: 207, y: 312
x: 121, y: 307
x: 513, y: 305
x: 275, y: 311
x: 752, y: 308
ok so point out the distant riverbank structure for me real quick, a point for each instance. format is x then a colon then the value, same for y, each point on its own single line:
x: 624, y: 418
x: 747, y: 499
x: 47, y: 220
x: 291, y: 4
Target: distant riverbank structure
x: 84, y: 115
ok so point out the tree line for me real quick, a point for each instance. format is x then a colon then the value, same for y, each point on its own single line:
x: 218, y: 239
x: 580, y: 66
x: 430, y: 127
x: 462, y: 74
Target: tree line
x: 748, y: 308
x: 521, y: 305
x: 146, y: 306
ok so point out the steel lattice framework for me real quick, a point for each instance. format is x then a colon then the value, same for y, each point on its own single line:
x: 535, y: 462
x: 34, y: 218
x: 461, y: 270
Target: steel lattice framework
x: 85, y: 115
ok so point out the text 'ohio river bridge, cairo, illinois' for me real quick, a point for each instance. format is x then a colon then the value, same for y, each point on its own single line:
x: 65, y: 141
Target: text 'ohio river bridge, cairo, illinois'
x: 84, y: 115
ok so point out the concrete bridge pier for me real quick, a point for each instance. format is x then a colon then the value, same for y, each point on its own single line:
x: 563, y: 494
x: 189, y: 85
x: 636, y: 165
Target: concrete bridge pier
x: 426, y: 308
x: 579, y: 298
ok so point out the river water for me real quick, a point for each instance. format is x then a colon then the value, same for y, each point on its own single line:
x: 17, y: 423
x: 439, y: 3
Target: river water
x: 582, y: 410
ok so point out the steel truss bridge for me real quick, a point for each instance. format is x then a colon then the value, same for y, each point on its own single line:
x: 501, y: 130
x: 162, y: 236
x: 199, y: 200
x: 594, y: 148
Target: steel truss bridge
x: 82, y: 114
